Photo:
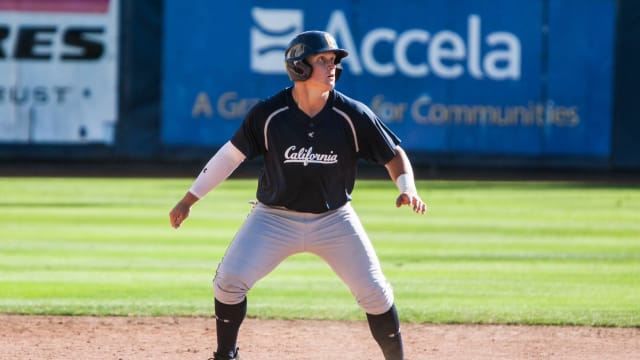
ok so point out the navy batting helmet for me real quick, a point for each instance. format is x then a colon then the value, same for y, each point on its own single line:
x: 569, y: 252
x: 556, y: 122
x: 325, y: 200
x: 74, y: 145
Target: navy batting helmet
x: 306, y: 44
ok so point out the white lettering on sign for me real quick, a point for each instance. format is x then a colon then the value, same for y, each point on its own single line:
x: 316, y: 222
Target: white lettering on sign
x: 445, y: 54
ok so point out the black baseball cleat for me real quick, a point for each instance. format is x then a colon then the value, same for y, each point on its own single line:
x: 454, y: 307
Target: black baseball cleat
x: 217, y: 356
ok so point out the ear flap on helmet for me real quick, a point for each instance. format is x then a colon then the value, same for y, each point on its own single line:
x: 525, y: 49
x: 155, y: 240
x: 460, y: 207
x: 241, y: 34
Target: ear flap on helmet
x: 298, y: 70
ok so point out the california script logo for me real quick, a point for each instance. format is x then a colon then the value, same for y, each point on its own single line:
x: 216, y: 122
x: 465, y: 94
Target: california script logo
x: 306, y: 156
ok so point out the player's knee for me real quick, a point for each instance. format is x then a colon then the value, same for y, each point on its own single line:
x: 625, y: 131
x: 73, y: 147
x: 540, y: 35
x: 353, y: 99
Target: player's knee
x: 376, y: 301
x: 229, y: 289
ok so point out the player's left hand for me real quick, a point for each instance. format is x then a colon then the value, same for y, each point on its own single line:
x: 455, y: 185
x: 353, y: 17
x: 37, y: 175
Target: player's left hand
x: 412, y: 200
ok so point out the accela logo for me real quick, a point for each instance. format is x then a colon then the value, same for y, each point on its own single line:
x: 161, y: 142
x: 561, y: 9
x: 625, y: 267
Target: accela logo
x: 447, y: 54
x: 270, y: 35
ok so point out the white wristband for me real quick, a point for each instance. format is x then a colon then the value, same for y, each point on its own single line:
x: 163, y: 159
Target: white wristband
x: 406, y: 184
x: 221, y: 165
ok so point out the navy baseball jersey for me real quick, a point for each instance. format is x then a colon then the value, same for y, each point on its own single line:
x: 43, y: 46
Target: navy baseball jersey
x: 310, y: 164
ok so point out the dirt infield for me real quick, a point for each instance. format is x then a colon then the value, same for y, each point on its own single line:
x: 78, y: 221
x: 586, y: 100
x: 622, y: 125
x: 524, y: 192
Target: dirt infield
x: 60, y: 337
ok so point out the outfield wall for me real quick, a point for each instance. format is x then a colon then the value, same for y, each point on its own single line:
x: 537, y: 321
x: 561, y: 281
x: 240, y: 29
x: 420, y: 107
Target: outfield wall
x: 533, y: 83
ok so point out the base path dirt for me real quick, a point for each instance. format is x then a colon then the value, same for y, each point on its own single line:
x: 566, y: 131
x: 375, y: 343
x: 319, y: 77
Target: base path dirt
x: 70, y: 337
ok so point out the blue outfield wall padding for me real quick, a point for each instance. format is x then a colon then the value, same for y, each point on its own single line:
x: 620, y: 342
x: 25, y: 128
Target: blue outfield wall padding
x: 626, y: 125
x: 464, y: 82
x: 140, y: 79
x: 462, y: 78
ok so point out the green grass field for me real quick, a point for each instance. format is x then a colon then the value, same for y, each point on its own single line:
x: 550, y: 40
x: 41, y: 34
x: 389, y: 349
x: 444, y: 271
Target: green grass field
x: 486, y: 252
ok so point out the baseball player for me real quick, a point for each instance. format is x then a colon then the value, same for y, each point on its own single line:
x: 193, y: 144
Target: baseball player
x: 311, y: 137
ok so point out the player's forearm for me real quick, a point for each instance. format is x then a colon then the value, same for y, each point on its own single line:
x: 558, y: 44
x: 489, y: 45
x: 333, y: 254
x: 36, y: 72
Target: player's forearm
x: 221, y: 165
x: 399, y: 165
x: 189, y: 199
x: 401, y: 172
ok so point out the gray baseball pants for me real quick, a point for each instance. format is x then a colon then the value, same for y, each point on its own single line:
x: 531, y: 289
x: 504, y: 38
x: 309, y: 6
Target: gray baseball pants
x: 269, y: 235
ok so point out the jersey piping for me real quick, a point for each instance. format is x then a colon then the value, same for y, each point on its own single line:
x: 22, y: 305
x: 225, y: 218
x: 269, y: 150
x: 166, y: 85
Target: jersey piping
x: 353, y: 129
x: 266, y: 125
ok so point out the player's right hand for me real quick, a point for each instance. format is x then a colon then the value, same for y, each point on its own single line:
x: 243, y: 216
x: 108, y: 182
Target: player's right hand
x: 181, y: 211
x: 178, y: 214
